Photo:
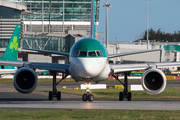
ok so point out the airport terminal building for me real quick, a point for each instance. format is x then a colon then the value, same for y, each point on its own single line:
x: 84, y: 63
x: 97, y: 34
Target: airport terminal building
x: 56, y: 20
x: 56, y: 25
x: 50, y: 24
x: 59, y: 15
x: 10, y: 16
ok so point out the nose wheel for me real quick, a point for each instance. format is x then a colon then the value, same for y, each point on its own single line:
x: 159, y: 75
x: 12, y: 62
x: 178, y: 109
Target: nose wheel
x: 87, y: 96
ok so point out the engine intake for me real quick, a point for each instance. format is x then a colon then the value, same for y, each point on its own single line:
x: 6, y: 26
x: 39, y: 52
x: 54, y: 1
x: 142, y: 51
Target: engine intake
x: 25, y: 80
x: 153, y: 81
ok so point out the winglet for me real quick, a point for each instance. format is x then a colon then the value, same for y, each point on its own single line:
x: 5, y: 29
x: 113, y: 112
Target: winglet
x: 12, y: 48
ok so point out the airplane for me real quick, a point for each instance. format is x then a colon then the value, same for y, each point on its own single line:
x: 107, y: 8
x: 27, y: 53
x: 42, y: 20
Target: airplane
x: 89, y: 63
x: 11, y: 52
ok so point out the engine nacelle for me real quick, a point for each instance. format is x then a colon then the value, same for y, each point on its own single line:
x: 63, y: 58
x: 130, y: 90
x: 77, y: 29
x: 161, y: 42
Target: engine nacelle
x: 25, y: 80
x: 153, y: 81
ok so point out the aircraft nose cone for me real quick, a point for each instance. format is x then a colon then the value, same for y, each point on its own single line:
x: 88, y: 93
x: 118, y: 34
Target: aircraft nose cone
x: 89, y: 67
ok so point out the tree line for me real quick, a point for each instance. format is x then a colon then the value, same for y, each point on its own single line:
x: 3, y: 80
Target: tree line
x: 162, y: 36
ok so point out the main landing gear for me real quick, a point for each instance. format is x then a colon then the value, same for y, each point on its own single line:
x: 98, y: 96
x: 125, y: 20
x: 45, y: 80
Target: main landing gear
x: 87, y: 96
x: 54, y: 94
x: 125, y: 94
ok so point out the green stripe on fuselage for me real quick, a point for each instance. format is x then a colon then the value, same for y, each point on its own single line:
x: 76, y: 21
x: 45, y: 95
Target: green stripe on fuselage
x: 88, y: 44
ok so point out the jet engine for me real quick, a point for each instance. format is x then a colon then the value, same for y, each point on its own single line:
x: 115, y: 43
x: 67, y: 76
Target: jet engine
x: 153, y: 81
x: 25, y: 80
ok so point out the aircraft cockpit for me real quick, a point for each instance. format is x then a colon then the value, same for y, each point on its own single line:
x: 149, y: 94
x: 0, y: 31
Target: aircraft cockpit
x: 88, y: 54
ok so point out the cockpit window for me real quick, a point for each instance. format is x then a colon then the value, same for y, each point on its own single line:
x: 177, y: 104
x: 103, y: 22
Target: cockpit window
x: 99, y: 53
x: 82, y: 54
x: 88, y: 54
x: 92, y: 54
x: 76, y: 53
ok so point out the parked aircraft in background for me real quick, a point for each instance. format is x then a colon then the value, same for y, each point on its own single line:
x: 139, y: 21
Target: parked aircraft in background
x: 11, y: 52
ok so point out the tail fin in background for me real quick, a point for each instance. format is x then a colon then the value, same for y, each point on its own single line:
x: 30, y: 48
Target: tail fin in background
x: 12, y: 48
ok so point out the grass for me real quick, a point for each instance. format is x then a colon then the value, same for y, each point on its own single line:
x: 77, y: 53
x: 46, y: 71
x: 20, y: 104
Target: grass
x: 89, y: 114
x: 169, y: 93
x: 39, y: 80
x: 50, y: 80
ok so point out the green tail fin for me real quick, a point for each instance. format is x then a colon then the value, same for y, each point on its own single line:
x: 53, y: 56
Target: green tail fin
x: 12, y: 48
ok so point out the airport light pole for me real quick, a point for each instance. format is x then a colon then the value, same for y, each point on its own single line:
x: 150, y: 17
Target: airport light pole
x: 63, y: 16
x: 30, y: 18
x: 147, y: 28
x: 102, y: 35
x: 42, y: 16
x: 92, y: 32
x: 107, y: 6
x: 50, y: 2
x: 116, y: 38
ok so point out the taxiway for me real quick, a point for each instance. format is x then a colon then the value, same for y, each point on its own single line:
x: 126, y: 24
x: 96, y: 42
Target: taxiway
x: 9, y: 99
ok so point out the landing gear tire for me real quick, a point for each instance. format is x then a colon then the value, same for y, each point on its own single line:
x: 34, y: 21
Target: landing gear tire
x: 84, y: 97
x: 90, y: 97
x: 58, y: 95
x: 121, y: 96
x: 125, y: 94
x: 50, y: 95
x: 129, y: 96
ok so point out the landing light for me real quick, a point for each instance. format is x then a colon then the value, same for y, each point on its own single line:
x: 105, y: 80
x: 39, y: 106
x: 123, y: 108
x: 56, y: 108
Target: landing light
x: 87, y: 85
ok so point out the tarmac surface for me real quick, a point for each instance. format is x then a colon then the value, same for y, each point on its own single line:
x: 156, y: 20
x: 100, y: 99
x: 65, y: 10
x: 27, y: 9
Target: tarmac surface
x: 9, y: 99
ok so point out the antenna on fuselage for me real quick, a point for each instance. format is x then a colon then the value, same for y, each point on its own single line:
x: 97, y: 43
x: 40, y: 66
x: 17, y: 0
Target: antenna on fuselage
x: 92, y: 33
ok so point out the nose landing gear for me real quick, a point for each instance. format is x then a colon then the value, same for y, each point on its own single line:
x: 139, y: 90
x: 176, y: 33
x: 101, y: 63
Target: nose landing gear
x: 87, y: 96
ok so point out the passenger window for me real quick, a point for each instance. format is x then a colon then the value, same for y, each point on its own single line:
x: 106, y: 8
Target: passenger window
x: 82, y: 54
x: 91, y: 54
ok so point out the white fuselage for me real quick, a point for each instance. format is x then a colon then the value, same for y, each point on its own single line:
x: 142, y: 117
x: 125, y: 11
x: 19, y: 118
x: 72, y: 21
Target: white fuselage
x: 95, y: 69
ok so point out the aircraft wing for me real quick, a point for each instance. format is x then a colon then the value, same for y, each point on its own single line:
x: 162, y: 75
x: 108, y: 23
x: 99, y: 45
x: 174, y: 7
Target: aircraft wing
x: 118, y: 68
x: 50, y: 66
x: 47, y: 51
x: 131, y: 53
x: 37, y: 65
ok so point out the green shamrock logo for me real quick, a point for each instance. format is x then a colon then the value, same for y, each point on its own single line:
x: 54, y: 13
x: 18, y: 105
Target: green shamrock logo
x: 14, y: 44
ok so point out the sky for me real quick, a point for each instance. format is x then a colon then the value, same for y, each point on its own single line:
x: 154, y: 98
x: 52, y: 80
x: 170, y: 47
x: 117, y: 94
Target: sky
x: 128, y: 18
